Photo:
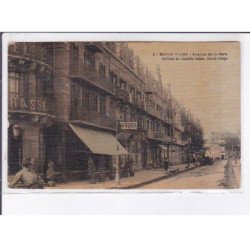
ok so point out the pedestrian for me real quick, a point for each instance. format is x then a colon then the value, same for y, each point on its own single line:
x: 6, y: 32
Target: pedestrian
x: 166, y: 164
x: 27, y: 176
x: 129, y: 168
x: 193, y: 160
x: 51, y: 172
x: 101, y: 168
x: 91, y: 169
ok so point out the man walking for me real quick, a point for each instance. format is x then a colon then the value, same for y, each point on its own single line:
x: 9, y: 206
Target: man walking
x: 166, y: 164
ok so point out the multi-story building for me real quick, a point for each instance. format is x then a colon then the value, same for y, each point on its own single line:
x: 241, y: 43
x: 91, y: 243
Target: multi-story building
x: 67, y: 102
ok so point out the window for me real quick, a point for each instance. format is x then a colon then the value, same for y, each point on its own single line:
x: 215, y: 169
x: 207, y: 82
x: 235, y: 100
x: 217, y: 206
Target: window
x: 14, y: 81
x: 89, y: 60
x: 94, y: 102
x: 85, y: 99
x: 75, y: 53
x: 11, y: 48
x: 20, y: 48
x: 166, y: 131
x: 114, y: 78
x: 102, y: 69
x: 74, y: 96
x: 157, y: 127
x: 148, y: 125
x: 102, y: 105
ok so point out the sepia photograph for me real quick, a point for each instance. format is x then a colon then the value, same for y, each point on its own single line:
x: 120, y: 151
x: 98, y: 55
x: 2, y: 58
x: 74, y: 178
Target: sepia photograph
x: 124, y: 115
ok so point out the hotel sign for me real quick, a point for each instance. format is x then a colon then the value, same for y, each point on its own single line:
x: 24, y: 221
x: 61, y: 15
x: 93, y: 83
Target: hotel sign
x: 20, y: 103
x: 128, y: 125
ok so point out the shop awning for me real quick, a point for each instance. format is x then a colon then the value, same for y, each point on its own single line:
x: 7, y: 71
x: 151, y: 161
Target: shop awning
x: 163, y: 147
x: 99, y: 142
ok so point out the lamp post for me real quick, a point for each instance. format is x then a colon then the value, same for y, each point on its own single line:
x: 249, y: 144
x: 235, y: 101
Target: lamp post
x: 16, y: 131
x: 117, y: 174
x: 120, y: 102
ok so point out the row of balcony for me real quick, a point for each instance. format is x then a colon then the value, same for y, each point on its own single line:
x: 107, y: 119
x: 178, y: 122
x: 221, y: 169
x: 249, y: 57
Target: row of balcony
x: 80, y: 71
x: 158, y: 136
x: 93, y: 117
x: 31, y: 51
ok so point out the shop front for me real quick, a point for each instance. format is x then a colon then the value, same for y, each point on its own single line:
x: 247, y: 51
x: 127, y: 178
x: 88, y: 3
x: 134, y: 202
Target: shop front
x: 26, y: 139
x: 84, y: 144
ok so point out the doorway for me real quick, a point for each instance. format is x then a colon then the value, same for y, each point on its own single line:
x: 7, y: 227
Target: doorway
x: 14, y: 152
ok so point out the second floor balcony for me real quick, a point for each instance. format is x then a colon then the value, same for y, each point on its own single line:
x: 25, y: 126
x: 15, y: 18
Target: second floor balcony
x: 89, y: 75
x: 122, y: 94
x: 159, y: 136
x: 36, y: 52
x: 93, y: 118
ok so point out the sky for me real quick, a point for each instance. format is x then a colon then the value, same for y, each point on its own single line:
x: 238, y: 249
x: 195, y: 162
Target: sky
x: 210, y: 89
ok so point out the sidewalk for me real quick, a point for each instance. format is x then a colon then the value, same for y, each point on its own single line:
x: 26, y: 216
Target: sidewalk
x: 141, y: 178
x: 237, y: 171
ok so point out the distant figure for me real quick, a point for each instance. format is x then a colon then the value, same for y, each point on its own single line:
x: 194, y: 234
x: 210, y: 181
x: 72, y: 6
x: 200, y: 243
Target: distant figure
x: 27, y: 176
x: 193, y: 160
x: 166, y: 164
x: 91, y: 168
x: 129, y: 168
x: 51, y: 170
x: 101, y: 168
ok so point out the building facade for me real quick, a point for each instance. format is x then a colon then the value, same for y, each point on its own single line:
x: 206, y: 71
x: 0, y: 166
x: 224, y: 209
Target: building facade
x: 67, y: 98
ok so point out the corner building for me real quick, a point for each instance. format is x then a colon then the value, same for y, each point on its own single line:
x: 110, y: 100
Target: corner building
x: 67, y: 102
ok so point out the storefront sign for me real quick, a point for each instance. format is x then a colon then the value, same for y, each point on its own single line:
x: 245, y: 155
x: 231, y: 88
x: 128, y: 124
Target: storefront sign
x: 33, y: 105
x: 128, y: 125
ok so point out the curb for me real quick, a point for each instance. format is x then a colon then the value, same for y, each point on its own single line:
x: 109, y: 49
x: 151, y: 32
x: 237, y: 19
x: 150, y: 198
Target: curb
x: 156, y: 179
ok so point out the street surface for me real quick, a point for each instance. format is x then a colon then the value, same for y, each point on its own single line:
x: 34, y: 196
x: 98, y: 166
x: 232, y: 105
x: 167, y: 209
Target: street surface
x: 220, y: 175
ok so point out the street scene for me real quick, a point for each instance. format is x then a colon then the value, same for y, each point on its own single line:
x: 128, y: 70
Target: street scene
x: 124, y: 115
x: 222, y: 174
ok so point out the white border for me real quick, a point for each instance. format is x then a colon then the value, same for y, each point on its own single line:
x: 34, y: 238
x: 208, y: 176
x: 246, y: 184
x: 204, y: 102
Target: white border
x: 14, y: 200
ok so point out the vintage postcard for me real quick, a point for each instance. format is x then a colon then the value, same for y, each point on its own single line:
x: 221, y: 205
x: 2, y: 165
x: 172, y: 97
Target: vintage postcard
x: 138, y: 115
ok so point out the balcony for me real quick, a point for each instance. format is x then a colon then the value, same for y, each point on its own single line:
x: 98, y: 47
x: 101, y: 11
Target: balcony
x: 138, y: 104
x: 94, y: 46
x: 79, y: 71
x: 35, y: 52
x: 122, y: 94
x: 166, y: 139
x: 155, y: 135
x: 93, y: 118
x: 156, y: 113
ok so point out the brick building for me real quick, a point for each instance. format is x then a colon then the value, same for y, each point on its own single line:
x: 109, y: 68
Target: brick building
x: 67, y: 102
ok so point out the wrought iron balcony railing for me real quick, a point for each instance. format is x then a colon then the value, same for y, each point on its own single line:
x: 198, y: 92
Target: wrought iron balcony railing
x: 94, y: 118
x: 31, y: 51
